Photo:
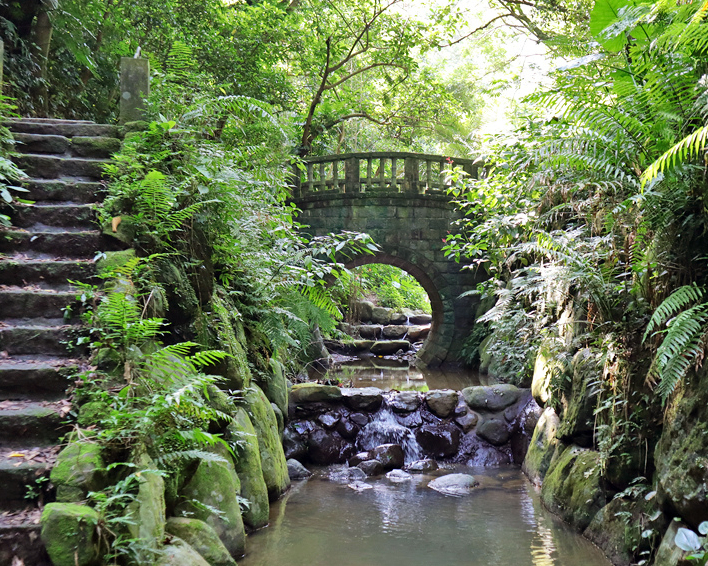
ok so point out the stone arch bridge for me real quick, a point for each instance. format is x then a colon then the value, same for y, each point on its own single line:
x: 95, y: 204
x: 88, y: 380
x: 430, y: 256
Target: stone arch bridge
x: 400, y: 200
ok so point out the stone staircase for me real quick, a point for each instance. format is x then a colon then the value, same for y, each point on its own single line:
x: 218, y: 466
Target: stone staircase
x: 51, y: 242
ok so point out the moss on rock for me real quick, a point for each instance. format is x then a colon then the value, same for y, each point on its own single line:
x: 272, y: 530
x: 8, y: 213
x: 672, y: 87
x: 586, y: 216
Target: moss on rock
x: 79, y: 469
x: 276, y: 386
x: 579, y: 403
x: 542, y: 447
x: 572, y: 487
x: 248, y: 467
x: 179, y: 553
x: 314, y: 392
x: 92, y: 413
x: 202, y: 538
x: 275, y: 470
x: 114, y: 260
x: 148, y: 509
x: 70, y: 535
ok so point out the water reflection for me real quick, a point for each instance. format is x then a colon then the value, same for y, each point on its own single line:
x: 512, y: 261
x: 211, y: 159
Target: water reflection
x: 398, y: 374
x: 321, y: 523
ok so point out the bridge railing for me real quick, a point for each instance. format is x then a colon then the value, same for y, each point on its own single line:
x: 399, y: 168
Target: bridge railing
x: 380, y: 172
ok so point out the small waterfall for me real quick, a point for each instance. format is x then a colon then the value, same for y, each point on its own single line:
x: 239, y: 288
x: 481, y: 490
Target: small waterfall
x: 385, y: 430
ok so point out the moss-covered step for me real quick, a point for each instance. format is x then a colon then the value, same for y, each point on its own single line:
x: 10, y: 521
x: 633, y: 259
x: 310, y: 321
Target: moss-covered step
x: 66, y: 128
x: 35, y: 336
x: 44, y: 273
x: 40, y: 143
x: 63, y: 244
x: 32, y: 423
x: 54, y: 167
x: 66, y: 189
x: 44, y: 378
x: 16, y: 473
x: 19, y: 302
x: 94, y: 146
x: 67, y: 214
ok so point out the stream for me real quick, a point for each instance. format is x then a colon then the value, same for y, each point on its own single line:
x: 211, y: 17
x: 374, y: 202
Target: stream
x: 502, y: 523
x: 328, y: 520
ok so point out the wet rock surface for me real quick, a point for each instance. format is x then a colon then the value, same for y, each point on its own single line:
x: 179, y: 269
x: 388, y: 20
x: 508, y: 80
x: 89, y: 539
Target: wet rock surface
x: 454, y: 484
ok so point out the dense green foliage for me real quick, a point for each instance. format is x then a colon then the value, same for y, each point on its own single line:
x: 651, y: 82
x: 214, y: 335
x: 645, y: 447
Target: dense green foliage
x: 388, y: 286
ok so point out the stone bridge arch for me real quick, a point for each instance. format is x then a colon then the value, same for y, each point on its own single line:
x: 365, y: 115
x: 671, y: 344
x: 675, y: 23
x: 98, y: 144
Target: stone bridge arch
x: 409, y: 219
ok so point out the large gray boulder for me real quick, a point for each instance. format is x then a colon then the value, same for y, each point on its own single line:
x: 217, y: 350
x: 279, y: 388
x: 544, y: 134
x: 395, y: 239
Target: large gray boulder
x: 441, y: 402
x: 491, y: 398
x: 405, y: 402
x: 454, y: 484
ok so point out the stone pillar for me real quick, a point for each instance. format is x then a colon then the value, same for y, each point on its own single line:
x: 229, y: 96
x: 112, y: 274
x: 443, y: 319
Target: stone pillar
x: 2, y: 61
x: 352, y: 175
x: 134, y: 88
x: 411, y: 175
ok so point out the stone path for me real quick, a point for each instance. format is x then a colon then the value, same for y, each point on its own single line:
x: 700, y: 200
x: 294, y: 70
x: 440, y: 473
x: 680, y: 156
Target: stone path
x: 51, y: 242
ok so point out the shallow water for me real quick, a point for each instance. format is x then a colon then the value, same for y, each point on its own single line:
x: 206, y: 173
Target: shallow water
x: 387, y: 374
x: 502, y: 523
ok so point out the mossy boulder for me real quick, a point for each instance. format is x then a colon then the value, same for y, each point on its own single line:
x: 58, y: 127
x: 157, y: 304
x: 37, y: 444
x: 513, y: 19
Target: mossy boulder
x: 216, y: 485
x: 276, y: 386
x: 114, y: 260
x: 179, y: 553
x: 222, y: 329
x: 92, y: 413
x: 248, y: 467
x: 314, y: 392
x: 148, y: 510
x: 275, y: 470
x: 219, y: 400
x: 125, y: 230
x: 202, y: 538
x: 79, y: 468
x: 491, y: 397
x: 70, y: 534
x: 182, y: 300
x: 545, y: 367
x: 579, y: 403
x: 109, y: 361
x: 669, y: 554
x: 681, y: 456
x: 542, y: 447
x: 572, y: 487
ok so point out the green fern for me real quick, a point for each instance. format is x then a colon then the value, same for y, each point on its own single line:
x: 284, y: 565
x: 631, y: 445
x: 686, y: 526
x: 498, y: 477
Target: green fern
x: 689, y: 147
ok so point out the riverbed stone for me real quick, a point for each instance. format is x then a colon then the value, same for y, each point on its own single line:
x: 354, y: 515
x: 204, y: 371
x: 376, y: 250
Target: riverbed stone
x: 275, y: 471
x: 328, y: 420
x: 467, y: 421
x: 297, y: 471
x: 422, y: 466
x: 420, y: 318
x: 398, y: 476
x: 358, y: 458
x: 390, y: 455
x: 398, y: 318
x: 418, y: 332
x: 347, y: 429
x: 542, y: 447
x: 179, y: 553
x: 441, y: 402
x: 202, y: 538
x: 362, y: 399
x: 216, y: 485
x: 248, y: 467
x: 371, y: 467
x: 681, y: 456
x: 394, y: 331
x: 314, y: 392
x: 494, y: 430
x: 405, y: 402
x: 491, y: 397
x: 388, y: 347
x: 572, y: 488
x: 370, y: 331
x: 294, y: 445
x: 325, y: 447
x: 380, y: 315
x: 79, y: 469
x: 669, y: 554
x: 362, y: 310
x: 454, y: 484
x: 70, y: 534
x: 359, y: 419
x: 439, y: 440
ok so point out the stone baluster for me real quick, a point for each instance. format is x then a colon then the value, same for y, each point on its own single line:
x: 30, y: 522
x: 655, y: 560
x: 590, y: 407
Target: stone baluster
x: 382, y: 174
x: 323, y: 177
x: 335, y: 175
x: 411, y: 175
x: 394, y: 183
x: 351, y: 175
x: 310, y: 178
x: 368, y: 173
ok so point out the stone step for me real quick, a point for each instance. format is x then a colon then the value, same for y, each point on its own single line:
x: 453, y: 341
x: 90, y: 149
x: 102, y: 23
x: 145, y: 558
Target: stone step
x: 67, y: 189
x: 62, y: 244
x: 20, y: 302
x: 16, y: 270
x: 21, y: 468
x: 48, y: 337
x: 55, y: 214
x: 27, y: 423
x: 53, y: 167
x: 20, y: 543
x: 35, y: 378
x: 77, y: 146
x: 66, y: 128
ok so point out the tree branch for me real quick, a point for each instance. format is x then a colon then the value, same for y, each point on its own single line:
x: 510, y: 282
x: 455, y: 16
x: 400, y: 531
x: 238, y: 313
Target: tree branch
x: 362, y: 70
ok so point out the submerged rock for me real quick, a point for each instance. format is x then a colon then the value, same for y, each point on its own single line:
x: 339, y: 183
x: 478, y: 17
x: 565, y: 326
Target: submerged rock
x: 371, y: 467
x: 422, y: 466
x: 297, y: 471
x: 398, y: 476
x: 359, y: 486
x: 346, y: 474
x: 454, y: 484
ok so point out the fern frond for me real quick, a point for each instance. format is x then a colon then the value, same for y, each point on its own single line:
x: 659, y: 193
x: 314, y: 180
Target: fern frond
x: 684, y: 150
x: 678, y: 300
